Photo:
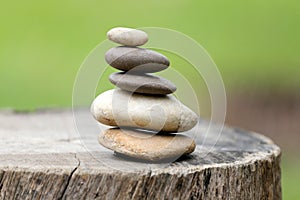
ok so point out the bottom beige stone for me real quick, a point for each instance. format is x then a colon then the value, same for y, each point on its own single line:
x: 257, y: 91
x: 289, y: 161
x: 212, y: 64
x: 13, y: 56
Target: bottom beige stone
x: 145, y: 145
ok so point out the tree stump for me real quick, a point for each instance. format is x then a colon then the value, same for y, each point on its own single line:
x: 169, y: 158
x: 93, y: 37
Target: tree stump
x: 43, y: 157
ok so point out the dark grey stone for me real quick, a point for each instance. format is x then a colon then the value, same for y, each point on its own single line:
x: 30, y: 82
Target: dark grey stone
x: 142, y: 83
x: 136, y: 59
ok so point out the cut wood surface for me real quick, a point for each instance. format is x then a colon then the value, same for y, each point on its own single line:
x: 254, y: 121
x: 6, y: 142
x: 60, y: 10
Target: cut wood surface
x: 54, y: 154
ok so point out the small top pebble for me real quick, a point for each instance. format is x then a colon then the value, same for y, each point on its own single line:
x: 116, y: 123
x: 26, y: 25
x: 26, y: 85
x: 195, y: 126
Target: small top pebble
x: 127, y: 36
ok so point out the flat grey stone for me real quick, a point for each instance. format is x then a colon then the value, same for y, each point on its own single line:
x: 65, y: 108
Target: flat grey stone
x: 145, y: 146
x: 142, y: 83
x: 127, y: 36
x: 136, y: 59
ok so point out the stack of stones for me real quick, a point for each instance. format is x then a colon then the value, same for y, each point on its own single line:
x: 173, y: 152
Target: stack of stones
x: 146, y: 116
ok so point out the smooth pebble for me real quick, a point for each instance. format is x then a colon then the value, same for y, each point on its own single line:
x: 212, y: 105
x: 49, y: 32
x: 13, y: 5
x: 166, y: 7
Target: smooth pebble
x: 127, y: 36
x: 142, y: 83
x: 160, y: 113
x: 142, y: 145
x: 136, y: 59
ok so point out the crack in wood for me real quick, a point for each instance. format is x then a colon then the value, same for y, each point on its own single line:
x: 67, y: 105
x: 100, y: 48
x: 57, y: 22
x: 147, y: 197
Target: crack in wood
x: 1, y: 180
x: 70, y: 177
x: 206, y: 181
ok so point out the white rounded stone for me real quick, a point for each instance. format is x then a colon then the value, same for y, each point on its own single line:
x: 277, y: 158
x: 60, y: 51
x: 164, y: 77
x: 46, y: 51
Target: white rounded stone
x: 127, y: 36
x: 161, y: 113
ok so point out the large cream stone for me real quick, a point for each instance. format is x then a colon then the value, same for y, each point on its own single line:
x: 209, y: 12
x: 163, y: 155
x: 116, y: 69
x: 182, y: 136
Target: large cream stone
x: 161, y: 113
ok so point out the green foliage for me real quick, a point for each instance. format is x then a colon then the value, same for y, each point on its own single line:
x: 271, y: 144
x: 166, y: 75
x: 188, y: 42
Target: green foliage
x: 290, y: 177
x: 43, y: 43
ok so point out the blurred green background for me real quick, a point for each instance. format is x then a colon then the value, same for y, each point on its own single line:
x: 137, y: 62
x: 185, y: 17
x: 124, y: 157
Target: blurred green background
x: 255, y: 44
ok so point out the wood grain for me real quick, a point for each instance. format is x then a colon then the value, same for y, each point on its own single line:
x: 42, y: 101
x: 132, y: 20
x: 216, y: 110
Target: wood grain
x: 45, y: 155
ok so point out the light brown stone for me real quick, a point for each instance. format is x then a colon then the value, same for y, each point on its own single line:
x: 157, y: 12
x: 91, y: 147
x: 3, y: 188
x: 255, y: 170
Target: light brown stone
x: 146, y: 146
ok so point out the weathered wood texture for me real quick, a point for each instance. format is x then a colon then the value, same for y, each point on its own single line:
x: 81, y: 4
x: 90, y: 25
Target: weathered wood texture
x: 42, y: 156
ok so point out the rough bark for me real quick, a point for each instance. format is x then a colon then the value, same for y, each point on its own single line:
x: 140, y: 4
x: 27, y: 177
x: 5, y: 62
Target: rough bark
x: 43, y: 157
